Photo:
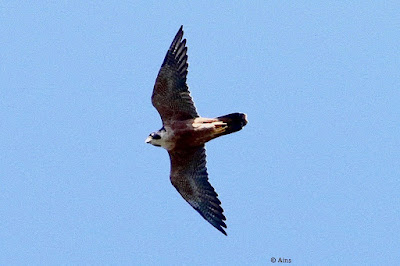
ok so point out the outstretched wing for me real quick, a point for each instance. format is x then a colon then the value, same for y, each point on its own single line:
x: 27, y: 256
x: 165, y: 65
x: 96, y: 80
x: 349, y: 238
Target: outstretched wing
x: 189, y: 176
x: 171, y: 96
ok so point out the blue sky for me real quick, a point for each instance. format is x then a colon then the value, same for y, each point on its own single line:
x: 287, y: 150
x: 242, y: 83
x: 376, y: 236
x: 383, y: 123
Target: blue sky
x: 313, y: 177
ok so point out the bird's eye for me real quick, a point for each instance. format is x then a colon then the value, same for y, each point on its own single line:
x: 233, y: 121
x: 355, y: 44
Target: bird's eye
x: 156, y: 136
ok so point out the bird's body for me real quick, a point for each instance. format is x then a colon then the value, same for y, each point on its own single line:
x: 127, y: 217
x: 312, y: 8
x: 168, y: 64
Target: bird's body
x: 190, y: 132
x: 184, y: 134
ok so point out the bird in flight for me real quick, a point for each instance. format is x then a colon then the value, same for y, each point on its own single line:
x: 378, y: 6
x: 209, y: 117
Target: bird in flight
x: 184, y: 134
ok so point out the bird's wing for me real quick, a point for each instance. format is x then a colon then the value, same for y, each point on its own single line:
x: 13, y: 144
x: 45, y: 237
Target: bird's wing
x: 171, y: 96
x: 189, y: 176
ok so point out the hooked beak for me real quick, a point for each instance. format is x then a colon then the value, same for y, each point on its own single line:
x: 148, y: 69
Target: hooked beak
x: 148, y: 139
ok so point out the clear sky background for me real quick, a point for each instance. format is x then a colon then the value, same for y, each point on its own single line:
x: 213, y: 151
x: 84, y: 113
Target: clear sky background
x: 313, y: 177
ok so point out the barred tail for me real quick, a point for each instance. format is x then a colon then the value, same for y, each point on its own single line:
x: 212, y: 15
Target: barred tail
x: 235, y: 121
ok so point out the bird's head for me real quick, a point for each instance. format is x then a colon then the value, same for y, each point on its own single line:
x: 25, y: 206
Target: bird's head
x: 156, y: 138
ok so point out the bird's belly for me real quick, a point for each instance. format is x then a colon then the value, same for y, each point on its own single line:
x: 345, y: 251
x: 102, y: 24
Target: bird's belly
x: 193, y: 135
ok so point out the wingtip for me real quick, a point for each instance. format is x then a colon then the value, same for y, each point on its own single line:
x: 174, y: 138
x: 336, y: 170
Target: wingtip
x: 219, y: 226
x: 178, y: 37
x: 223, y: 231
x: 180, y: 30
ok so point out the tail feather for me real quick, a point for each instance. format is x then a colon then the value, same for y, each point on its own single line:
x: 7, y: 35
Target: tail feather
x: 235, y: 122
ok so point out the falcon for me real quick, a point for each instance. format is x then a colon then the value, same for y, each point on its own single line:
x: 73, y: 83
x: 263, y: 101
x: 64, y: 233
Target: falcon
x: 184, y: 134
